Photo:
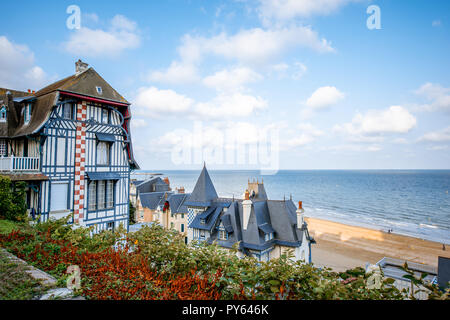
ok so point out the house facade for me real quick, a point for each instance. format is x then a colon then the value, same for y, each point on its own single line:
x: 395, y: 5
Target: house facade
x: 156, y: 202
x: 263, y: 228
x: 71, y: 143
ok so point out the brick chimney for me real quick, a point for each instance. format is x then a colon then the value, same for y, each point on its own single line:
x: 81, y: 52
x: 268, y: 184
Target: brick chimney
x: 166, y: 180
x: 80, y: 67
x: 180, y: 190
x: 246, y: 209
x: 299, y: 212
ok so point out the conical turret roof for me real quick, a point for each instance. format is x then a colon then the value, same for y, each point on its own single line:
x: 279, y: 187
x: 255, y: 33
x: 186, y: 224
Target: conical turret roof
x: 204, y: 191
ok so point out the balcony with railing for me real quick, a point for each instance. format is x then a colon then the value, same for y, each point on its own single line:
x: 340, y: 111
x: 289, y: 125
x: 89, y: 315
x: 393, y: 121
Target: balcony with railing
x: 19, y: 164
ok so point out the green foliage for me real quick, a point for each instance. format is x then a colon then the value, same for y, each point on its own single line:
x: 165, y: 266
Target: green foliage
x: 165, y: 252
x: 433, y: 290
x: 12, y: 200
x: 15, y: 283
x: 131, y: 218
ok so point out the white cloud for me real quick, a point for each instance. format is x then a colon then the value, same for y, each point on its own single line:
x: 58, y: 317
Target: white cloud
x: 300, y: 70
x: 121, y: 35
x: 233, y: 79
x: 229, y: 105
x: 154, y: 102
x: 437, y: 96
x: 17, y: 67
x: 437, y: 136
x: 395, y: 119
x: 282, y: 10
x: 324, y: 97
x: 308, y: 133
x: 177, y: 72
x: 436, y: 23
x: 138, y: 123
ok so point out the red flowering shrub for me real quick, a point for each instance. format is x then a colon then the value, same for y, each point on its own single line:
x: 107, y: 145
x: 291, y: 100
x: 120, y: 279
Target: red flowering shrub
x: 109, y: 274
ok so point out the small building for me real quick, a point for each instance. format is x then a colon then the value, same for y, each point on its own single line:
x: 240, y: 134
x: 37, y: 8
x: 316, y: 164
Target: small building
x: 392, y: 269
x: 155, y: 202
x: 265, y: 229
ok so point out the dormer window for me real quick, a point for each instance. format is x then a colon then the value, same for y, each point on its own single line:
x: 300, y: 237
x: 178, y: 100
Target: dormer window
x: 268, y: 236
x: 99, y: 90
x: 223, y: 235
x: 3, y: 114
x: 202, y: 221
x: 27, y: 113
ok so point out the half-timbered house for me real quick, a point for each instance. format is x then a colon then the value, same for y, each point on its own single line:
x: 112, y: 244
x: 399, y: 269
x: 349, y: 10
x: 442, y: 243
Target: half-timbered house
x: 71, y: 143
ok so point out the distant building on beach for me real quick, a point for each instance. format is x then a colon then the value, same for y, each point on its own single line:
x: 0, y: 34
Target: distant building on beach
x: 70, y: 142
x: 264, y: 228
x: 392, y: 269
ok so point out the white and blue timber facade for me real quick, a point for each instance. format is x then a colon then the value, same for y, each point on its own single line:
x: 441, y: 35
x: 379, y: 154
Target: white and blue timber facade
x: 71, y: 143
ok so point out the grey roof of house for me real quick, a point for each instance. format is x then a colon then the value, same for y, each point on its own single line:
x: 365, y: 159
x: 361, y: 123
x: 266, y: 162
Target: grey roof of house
x: 266, y: 216
x: 392, y: 269
x: 176, y: 202
x: 154, y: 184
x: 443, y: 277
x: 151, y: 200
x: 204, y: 191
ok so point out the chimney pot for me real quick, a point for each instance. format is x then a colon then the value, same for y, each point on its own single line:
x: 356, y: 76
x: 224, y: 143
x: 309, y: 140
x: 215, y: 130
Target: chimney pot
x: 300, y: 204
x: 80, y: 66
x: 247, y: 195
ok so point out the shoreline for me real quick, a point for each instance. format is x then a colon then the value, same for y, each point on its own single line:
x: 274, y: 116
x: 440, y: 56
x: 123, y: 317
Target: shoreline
x: 342, y: 246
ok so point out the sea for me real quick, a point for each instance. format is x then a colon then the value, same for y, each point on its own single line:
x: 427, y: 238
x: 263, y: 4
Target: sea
x: 409, y: 202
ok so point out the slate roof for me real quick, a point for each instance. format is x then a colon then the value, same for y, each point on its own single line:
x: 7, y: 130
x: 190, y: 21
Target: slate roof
x: 44, y: 100
x: 266, y: 216
x: 154, y: 184
x: 204, y: 191
x: 176, y: 201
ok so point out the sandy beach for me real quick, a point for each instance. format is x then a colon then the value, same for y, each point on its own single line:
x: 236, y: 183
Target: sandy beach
x: 341, y: 246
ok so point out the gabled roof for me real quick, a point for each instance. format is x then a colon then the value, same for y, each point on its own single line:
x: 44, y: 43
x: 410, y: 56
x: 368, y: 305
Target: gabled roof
x: 84, y: 83
x: 204, y: 191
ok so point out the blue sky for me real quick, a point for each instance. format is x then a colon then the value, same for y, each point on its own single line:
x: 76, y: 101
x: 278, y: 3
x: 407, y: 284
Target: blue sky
x: 336, y: 94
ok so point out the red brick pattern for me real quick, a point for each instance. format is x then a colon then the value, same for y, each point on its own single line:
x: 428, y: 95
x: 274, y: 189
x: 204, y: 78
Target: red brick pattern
x: 80, y: 160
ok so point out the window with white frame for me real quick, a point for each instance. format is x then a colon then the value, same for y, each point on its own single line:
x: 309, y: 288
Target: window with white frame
x: 92, y: 205
x: 101, y: 195
x: 3, y: 148
x: 268, y: 236
x: 99, y: 90
x: 223, y: 235
x: 3, y: 114
x: 110, y: 226
x: 67, y: 111
x: 105, y: 116
x: 202, y: 234
x: 110, y: 194
x: 103, y: 152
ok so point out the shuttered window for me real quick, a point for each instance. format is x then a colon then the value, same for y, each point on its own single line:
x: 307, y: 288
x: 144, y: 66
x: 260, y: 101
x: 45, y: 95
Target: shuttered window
x: 59, y: 192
